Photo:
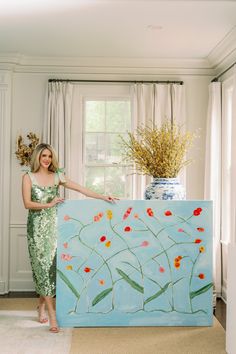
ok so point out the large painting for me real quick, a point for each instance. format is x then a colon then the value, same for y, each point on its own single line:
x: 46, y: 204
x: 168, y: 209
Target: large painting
x: 134, y: 263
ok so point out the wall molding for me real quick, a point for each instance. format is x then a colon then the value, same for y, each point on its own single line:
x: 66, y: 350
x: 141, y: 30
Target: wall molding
x: 5, y: 159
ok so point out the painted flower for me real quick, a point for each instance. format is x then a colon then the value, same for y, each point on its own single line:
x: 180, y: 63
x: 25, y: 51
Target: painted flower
x: 127, y: 213
x: 201, y: 249
x: 180, y: 230
x: 101, y: 281
x: 197, y: 211
x: 69, y: 267
x: 150, y: 212
x: 177, y: 259
x: 65, y: 244
x: 100, y: 215
x: 161, y: 269
x: 109, y: 214
x: 168, y: 213
x: 87, y: 270
x: 144, y: 244
x: 201, y: 276
x: 177, y: 265
x: 96, y: 218
x: 108, y: 244
x: 66, y: 218
x: 127, y: 229
x: 198, y: 240
x: 136, y: 216
x: 103, y: 238
x: 66, y: 257
x: 200, y: 229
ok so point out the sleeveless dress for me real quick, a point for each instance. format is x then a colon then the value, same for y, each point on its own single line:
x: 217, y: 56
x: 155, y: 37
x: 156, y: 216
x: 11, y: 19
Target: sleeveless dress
x: 42, y: 237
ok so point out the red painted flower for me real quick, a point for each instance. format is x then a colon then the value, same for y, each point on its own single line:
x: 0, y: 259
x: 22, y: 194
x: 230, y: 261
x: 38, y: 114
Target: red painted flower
x: 127, y: 229
x: 197, y: 211
x: 100, y: 215
x: 177, y: 259
x: 66, y: 257
x: 127, y: 213
x: 66, y: 218
x: 200, y: 229
x: 161, y: 269
x: 65, y: 245
x: 180, y: 230
x: 201, y: 276
x: 87, y: 269
x: 96, y: 218
x: 168, y: 213
x: 150, y: 212
x: 177, y: 265
x: 198, y: 240
x: 103, y: 238
x: 144, y: 244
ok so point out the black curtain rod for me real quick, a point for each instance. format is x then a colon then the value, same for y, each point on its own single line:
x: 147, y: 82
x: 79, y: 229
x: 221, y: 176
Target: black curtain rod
x: 120, y: 81
x: 221, y: 74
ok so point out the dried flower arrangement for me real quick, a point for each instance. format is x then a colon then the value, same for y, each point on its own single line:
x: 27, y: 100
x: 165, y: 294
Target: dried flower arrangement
x: 24, y: 152
x: 159, y: 151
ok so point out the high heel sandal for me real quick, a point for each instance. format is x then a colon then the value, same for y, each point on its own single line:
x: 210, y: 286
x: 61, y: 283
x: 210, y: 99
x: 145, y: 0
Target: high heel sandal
x: 42, y: 317
x: 53, y: 324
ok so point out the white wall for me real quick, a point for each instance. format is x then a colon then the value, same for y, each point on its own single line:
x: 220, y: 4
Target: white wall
x: 28, y: 99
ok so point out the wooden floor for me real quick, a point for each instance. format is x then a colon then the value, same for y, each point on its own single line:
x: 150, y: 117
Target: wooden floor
x: 220, y: 311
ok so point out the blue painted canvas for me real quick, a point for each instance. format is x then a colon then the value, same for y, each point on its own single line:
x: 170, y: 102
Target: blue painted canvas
x: 134, y: 263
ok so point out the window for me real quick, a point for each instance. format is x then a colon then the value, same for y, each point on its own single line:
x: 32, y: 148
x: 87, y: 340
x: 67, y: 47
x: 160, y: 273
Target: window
x: 105, y: 119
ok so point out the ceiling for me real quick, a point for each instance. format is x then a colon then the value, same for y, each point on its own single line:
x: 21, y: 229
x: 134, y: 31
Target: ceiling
x: 115, y: 29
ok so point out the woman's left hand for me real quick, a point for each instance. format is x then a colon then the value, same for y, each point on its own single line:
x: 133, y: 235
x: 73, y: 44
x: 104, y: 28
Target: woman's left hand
x: 110, y: 199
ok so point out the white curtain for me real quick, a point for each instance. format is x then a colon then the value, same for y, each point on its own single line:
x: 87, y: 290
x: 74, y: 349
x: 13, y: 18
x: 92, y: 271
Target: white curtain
x: 63, y: 129
x: 213, y: 173
x: 154, y: 104
x: 231, y: 284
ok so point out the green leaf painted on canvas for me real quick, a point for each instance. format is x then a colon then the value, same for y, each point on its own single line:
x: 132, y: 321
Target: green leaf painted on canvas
x: 68, y: 283
x: 200, y: 291
x: 154, y: 296
x: 101, y: 296
x: 130, y: 281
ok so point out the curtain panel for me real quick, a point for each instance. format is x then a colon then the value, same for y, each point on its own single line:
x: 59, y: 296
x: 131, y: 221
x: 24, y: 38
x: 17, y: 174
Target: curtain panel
x: 154, y: 104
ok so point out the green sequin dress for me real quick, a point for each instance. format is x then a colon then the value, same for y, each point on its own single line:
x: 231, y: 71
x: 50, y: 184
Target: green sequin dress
x: 42, y: 237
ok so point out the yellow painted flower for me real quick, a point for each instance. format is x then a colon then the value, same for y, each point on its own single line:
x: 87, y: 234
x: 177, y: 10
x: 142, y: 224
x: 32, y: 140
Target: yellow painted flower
x: 109, y: 214
x: 69, y: 267
x: 201, y: 249
x: 108, y: 244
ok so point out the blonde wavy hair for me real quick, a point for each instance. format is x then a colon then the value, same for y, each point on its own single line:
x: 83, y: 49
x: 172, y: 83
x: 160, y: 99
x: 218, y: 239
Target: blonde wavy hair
x: 34, y: 162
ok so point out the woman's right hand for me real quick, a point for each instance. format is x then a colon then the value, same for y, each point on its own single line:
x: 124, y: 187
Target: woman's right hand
x: 56, y: 200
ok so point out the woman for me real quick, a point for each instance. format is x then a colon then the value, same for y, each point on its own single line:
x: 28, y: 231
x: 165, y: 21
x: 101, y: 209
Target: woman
x: 40, y: 189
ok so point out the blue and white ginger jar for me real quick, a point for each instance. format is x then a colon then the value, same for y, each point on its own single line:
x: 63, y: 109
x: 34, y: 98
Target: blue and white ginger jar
x: 165, y: 189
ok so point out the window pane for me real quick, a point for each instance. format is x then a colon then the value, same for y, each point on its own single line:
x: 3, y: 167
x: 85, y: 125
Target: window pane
x: 94, y: 147
x: 94, y: 177
x: 118, y: 116
x: 117, y: 183
x: 113, y: 148
x: 95, y: 116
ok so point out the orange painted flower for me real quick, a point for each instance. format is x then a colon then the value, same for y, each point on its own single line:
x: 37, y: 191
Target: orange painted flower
x: 198, y: 240
x: 200, y: 229
x: 201, y: 276
x: 103, y: 238
x: 67, y: 218
x: 101, y: 281
x: 108, y: 244
x: 127, y: 229
x: 177, y: 259
x: 177, y: 265
x: 69, y: 267
x: 87, y: 269
x: 136, y: 216
x: 100, y: 215
x: 201, y: 249
x: 65, y: 244
x: 96, y: 218
x: 168, y: 213
x: 109, y: 214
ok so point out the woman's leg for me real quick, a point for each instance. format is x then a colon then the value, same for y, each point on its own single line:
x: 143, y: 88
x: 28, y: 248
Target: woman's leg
x: 52, y: 314
x: 42, y: 316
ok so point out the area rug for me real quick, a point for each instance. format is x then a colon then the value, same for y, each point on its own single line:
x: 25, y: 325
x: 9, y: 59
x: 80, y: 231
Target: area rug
x: 20, y: 333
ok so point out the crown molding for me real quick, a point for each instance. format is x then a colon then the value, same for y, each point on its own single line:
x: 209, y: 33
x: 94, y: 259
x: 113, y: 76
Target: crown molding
x: 224, y: 54
x: 108, y: 66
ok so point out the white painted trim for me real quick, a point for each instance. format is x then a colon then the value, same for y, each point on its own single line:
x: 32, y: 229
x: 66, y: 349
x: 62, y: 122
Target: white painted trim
x: 231, y: 302
x: 21, y: 285
x: 5, y: 158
